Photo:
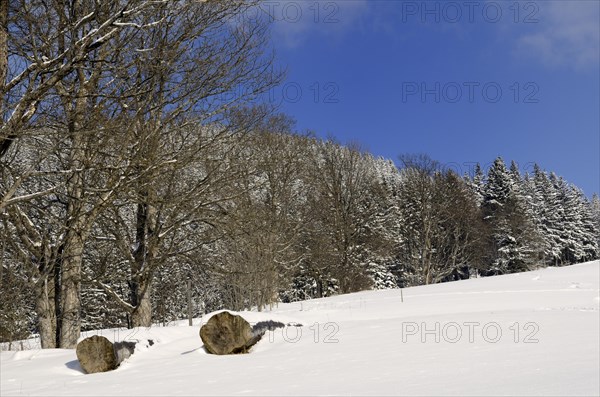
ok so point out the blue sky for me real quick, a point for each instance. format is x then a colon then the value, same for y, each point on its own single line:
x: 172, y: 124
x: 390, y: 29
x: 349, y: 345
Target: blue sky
x: 464, y: 82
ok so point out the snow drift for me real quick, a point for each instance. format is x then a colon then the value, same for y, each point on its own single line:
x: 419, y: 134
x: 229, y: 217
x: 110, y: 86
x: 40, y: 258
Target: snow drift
x: 533, y: 333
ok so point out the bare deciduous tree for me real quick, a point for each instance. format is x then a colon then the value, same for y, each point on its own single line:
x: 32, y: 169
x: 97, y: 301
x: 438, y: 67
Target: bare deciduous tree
x: 122, y: 88
x: 267, y: 217
x: 342, y: 208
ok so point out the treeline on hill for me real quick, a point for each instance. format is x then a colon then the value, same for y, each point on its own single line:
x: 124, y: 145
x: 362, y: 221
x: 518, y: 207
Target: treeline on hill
x: 135, y: 162
x: 273, y: 216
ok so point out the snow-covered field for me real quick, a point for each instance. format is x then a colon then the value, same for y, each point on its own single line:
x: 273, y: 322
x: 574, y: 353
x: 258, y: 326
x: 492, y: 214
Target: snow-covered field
x: 534, y: 333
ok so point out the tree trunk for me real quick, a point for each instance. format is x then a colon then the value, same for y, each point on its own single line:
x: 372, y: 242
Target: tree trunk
x: 142, y: 315
x: 4, y: 140
x: 319, y: 287
x: 189, y: 302
x: 46, y: 313
x: 70, y: 291
x: 77, y: 227
x: 141, y: 291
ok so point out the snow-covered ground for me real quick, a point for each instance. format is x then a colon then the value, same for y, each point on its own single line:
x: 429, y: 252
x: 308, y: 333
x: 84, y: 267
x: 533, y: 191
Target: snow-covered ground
x: 534, y: 333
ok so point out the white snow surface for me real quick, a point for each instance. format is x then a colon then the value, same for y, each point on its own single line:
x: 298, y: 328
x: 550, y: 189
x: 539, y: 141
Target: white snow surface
x: 533, y: 333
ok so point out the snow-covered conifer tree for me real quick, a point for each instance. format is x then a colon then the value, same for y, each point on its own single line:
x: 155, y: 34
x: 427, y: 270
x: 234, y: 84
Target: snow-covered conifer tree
x: 504, y: 208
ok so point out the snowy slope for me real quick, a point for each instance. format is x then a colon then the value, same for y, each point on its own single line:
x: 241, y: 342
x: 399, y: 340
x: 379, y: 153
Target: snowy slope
x: 534, y: 333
